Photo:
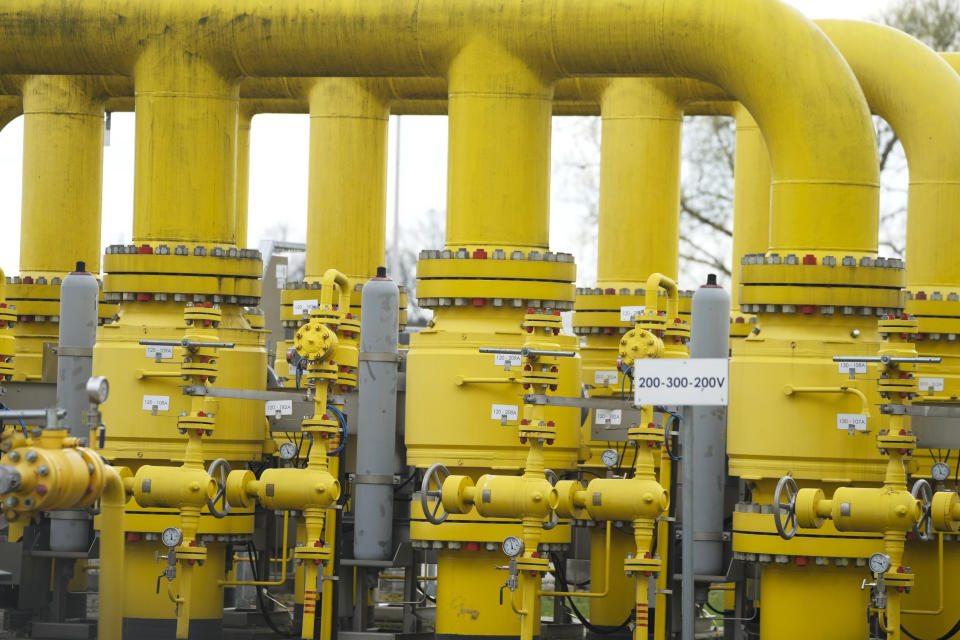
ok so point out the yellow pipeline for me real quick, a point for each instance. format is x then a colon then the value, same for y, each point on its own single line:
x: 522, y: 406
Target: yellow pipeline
x: 186, y: 129
x: 815, y: 120
x: 910, y: 87
x: 751, y: 196
x: 62, y: 172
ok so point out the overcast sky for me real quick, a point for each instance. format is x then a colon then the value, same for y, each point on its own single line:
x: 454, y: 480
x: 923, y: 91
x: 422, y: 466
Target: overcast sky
x: 278, y: 185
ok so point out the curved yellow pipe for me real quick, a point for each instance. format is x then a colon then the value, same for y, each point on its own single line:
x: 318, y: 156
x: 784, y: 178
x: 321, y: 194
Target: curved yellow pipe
x: 918, y: 94
x: 501, y: 66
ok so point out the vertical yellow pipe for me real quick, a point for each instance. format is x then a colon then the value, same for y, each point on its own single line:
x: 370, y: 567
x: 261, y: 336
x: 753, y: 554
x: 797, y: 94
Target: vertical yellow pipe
x: 62, y: 175
x: 244, y: 122
x: 498, y: 181
x: 348, y: 173
x: 112, y: 504
x: 751, y: 196
x: 639, y: 181
x: 186, y: 148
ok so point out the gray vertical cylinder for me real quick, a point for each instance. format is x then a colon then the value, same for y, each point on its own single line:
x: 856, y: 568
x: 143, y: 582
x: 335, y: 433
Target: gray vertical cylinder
x: 377, y: 419
x: 709, y: 338
x: 78, y: 332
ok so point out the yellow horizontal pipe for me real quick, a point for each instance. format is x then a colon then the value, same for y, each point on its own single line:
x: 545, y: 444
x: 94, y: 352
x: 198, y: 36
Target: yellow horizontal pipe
x: 500, y: 65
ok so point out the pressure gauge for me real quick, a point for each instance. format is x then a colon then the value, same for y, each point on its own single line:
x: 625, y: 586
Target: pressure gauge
x: 940, y: 471
x: 609, y: 458
x: 98, y: 389
x: 171, y: 537
x: 288, y: 451
x: 512, y: 546
x: 879, y: 563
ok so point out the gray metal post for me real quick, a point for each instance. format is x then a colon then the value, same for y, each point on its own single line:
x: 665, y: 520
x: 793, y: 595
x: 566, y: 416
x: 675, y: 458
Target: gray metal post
x: 377, y: 419
x: 704, y: 456
x: 78, y: 333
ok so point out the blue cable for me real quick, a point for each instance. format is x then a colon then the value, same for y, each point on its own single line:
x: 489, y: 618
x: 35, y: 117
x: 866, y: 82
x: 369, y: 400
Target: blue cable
x: 342, y: 419
x: 623, y: 382
x: 20, y: 420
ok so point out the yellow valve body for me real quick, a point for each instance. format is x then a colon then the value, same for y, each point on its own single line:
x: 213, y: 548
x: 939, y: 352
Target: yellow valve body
x: 167, y: 486
x: 297, y: 489
x: 500, y: 496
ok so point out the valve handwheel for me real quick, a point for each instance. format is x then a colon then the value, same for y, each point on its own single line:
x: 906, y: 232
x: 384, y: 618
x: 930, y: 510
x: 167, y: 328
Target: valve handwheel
x: 434, y: 478
x: 786, y: 527
x: 921, y: 491
x: 553, y: 479
x: 222, y: 467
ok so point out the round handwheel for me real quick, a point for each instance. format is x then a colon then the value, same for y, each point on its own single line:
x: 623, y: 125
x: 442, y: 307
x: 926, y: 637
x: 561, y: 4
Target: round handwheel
x: 921, y: 491
x: 786, y: 526
x: 430, y: 493
x: 222, y: 468
x: 554, y: 520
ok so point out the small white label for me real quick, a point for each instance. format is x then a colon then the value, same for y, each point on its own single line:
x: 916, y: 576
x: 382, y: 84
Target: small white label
x: 627, y: 313
x: 604, y: 377
x: 851, y: 422
x: 693, y: 382
x: 156, y: 403
x: 608, y: 416
x: 504, y: 412
x: 930, y: 384
x: 301, y: 307
x: 507, y: 359
x: 163, y: 352
x: 275, y: 408
x: 858, y: 366
x: 291, y: 369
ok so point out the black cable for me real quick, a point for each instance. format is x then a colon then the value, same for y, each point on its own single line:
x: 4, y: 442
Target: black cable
x: 407, y: 481
x: 559, y: 574
x: 252, y: 551
x: 949, y: 634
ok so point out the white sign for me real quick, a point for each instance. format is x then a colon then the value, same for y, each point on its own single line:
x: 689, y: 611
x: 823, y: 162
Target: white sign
x: 507, y: 359
x: 301, y: 307
x: 851, y: 422
x: 291, y: 369
x: 608, y: 416
x: 156, y: 403
x: 504, y: 412
x: 858, y: 366
x: 160, y: 352
x: 275, y: 408
x: 930, y: 384
x: 627, y: 313
x: 667, y: 381
x: 605, y: 377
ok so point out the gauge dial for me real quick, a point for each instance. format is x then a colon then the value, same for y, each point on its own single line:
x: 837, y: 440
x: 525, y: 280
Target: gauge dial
x: 879, y: 563
x: 512, y: 546
x: 98, y: 389
x: 609, y: 458
x: 288, y: 451
x: 940, y: 471
x: 171, y: 537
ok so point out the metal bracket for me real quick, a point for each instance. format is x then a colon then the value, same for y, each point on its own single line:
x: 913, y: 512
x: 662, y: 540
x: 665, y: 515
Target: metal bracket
x: 240, y: 394
x: 378, y: 356
x: 570, y: 401
x: 527, y: 352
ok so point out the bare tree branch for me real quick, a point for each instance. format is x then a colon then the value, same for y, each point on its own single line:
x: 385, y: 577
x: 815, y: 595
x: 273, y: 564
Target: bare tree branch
x: 697, y: 215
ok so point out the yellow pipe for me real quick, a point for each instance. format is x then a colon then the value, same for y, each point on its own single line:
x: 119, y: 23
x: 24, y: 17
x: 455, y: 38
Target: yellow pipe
x: 917, y: 93
x: 790, y: 390
x: 348, y: 176
x: 658, y: 281
x: 62, y: 172
x: 940, y: 569
x: 186, y: 130
x: 638, y: 231
x: 283, y: 565
x: 751, y: 196
x: 241, y: 206
x: 113, y: 501
x: 606, y: 574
